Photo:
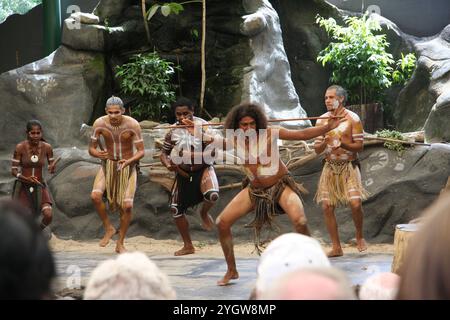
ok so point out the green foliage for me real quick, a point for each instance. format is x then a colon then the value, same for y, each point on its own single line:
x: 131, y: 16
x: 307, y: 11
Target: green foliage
x: 392, y: 134
x: 9, y: 7
x: 107, y: 27
x: 194, y: 34
x: 147, y: 78
x: 358, y: 57
x: 168, y: 8
x: 404, y: 69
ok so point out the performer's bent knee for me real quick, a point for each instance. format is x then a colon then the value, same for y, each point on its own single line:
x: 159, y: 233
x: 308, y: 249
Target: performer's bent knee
x: 127, y: 205
x: 175, y: 212
x: 222, y: 224
x: 97, y: 196
x: 326, y: 206
x: 47, y: 215
x: 301, y: 221
x: 355, y: 202
x: 211, y: 195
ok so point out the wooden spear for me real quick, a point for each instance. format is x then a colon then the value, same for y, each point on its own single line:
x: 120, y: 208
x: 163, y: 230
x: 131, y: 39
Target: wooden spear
x: 221, y: 123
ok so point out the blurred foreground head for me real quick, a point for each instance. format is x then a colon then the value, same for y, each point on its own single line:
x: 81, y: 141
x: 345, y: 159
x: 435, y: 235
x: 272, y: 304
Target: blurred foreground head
x: 425, y: 274
x: 284, y: 254
x: 26, y: 262
x: 131, y: 276
x: 380, y: 286
x: 311, y: 283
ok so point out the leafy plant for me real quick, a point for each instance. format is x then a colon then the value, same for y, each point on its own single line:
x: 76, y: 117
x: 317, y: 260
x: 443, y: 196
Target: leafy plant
x: 358, y: 57
x: 147, y: 78
x: 194, y: 34
x: 392, y: 134
x: 404, y: 69
x: 168, y: 8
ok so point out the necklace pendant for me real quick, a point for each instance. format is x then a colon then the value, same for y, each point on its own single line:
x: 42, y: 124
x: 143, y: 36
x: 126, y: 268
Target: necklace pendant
x: 31, y: 189
x: 34, y: 158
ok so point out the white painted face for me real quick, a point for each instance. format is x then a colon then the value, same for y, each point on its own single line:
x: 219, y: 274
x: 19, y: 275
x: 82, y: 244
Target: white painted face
x: 335, y: 104
x: 332, y: 101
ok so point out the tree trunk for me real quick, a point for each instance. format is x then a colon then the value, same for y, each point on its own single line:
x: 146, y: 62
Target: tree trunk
x: 371, y: 115
x: 203, y: 62
x: 144, y: 16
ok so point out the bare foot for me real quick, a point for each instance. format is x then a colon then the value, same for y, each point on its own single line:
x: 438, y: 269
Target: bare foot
x: 361, y: 245
x: 108, y: 235
x: 227, y: 277
x: 120, y: 248
x: 335, y: 252
x: 184, y: 251
x: 207, y: 222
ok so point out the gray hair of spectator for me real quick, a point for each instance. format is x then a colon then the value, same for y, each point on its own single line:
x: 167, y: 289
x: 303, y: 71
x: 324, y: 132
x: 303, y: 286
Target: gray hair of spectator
x: 131, y: 276
x: 114, y: 101
x: 343, y: 290
x: 340, y: 92
x: 380, y: 286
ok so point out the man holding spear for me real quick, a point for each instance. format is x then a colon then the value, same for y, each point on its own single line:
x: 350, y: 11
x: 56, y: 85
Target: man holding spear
x: 269, y: 189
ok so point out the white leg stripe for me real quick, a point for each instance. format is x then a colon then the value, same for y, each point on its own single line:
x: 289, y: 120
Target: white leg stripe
x: 97, y: 191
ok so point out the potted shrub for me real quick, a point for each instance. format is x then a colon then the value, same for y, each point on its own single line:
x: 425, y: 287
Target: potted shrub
x: 360, y: 63
x: 146, y: 78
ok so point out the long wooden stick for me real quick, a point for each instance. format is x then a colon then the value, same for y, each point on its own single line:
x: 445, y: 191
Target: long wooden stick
x: 396, y: 141
x: 222, y: 123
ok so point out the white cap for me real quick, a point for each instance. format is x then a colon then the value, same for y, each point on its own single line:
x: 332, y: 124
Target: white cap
x: 287, y: 253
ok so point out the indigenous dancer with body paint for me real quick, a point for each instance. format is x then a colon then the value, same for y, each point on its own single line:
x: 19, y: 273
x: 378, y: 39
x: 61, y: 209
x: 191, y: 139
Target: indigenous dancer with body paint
x: 118, y: 175
x: 27, y: 166
x: 340, y: 182
x: 195, y: 181
x: 269, y: 189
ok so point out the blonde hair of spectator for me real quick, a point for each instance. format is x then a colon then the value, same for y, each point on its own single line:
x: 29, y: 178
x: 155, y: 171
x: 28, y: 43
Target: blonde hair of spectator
x: 380, y: 286
x: 131, y: 276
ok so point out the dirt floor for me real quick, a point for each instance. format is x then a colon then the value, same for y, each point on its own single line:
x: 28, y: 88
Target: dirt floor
x: 164, y: 247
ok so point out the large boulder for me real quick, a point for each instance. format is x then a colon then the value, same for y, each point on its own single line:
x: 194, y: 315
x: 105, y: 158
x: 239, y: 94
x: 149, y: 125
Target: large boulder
x: 268, y: 80
x: 60, y: 90
x: 303, y: 40
x: 400, y: 187
x: 424, y: 102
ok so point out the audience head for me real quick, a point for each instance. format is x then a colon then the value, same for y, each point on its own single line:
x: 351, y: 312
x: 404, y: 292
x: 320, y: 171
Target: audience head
x: 311, y: 283
x: 286, y: 253
x: 27, y: 267
x: 425, y: 271
x: 380, y: 286
x: 131, y: 276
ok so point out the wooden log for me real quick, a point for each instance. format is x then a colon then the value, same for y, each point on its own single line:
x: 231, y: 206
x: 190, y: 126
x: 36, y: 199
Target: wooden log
x: 402, y: 238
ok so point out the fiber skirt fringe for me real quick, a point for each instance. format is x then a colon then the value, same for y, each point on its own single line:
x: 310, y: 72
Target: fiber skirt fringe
x: 339, y: 183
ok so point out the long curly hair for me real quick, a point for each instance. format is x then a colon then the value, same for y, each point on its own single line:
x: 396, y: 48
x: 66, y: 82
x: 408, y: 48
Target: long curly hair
x: 246, y: 109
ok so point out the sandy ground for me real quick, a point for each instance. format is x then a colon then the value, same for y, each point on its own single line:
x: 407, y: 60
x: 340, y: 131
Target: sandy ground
x: 164, y: 247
